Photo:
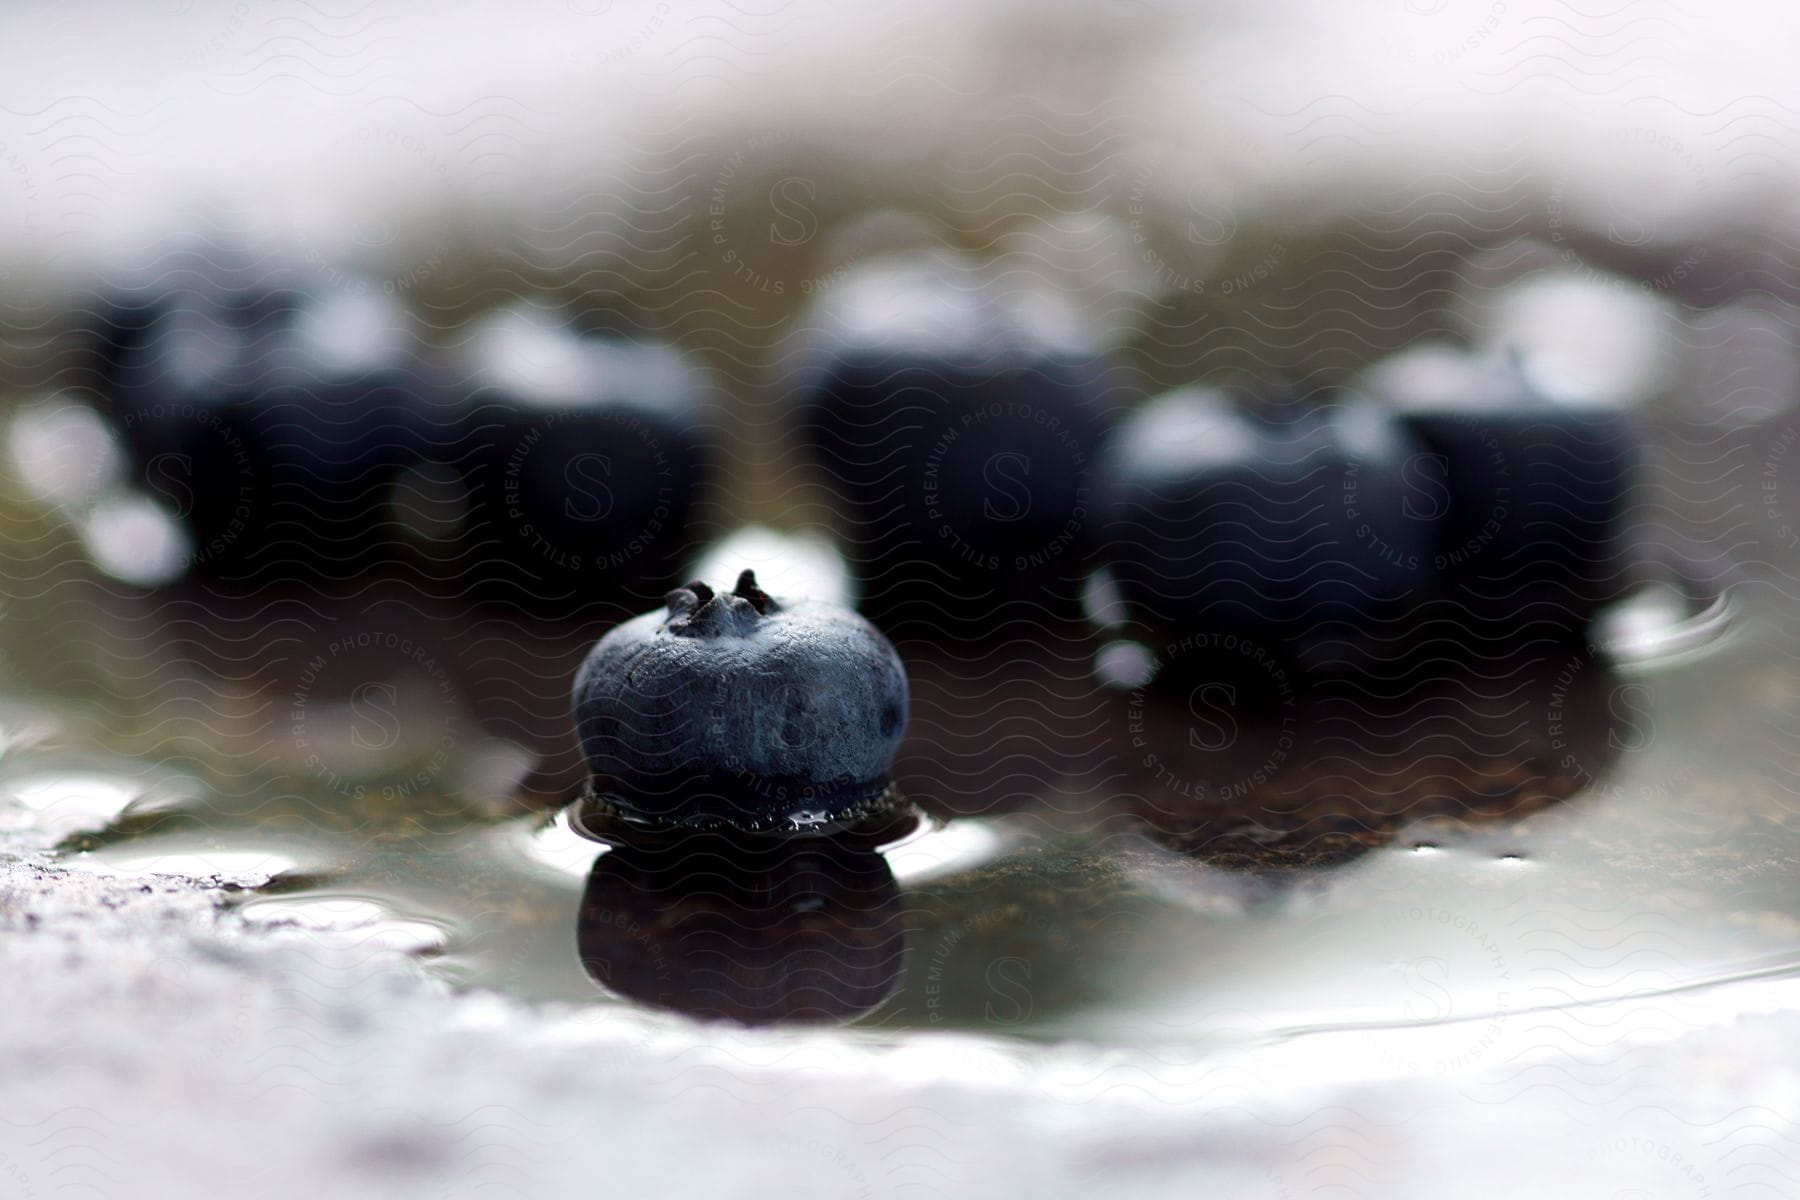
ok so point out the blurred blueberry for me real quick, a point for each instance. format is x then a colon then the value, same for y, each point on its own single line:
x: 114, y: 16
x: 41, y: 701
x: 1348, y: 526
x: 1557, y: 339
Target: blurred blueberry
x: 1266, y: 519
x: 956, y: 423
x: 583, y: 454
x: 272, y: 421
x: 1536, y: 494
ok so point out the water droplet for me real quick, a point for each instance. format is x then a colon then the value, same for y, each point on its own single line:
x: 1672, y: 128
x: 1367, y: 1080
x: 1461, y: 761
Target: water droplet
x: 135, y: 541
x: 1124, y: 665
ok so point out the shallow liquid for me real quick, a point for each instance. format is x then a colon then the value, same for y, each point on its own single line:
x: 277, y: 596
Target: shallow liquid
x: 1391, y: 879
x: 1432, y: 941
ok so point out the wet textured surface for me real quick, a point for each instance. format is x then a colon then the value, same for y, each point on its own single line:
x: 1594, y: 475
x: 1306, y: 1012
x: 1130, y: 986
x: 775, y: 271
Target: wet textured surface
x: 1592, y: 857
x: 1491, y: 843
x: 1455, y: 864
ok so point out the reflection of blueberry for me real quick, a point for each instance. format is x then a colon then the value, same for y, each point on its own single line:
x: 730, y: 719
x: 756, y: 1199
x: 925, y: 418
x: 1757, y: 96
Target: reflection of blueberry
x: 273, y: 421
x: 956, y: 424
x: 741, y: 710
x: 1265, y: 520
x: 759, y: 931
x: 1537, y: 493
x: 583, y: 455
x: 1457, y: 743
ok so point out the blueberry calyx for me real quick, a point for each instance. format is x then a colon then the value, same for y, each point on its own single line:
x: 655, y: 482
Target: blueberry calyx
x: 695, y: 610
x: 746, y: 587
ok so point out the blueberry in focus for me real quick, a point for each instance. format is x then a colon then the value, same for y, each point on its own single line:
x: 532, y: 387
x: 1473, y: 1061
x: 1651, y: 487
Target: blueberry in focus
x: 1536, y: 493
x: 736, y: 709
x: 757, y: 931
x: 1263, y: 519
x: 273, y: 422
x: 583, y: 456
x: 956, y: 423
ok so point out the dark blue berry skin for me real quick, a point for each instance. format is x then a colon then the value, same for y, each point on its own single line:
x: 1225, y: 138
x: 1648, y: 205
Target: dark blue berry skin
x: 180, y: 384
x: 274, y: 421
x: 958, y: 434
x: 1536, y: 496
x: 1268, y: 519
x: 346, y: 406
x: 739, y: 710
x: 584, y: 455
x: 752, y: 930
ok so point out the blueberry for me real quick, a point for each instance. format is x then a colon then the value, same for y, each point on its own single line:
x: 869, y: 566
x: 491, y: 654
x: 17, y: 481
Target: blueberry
x: 1535, y: 494
x: 116, y: 316
x: 179, y: 378
x: 737, y: 709
x: 755, y: 931
x: 956, y: 425
x: 347, y: 405
x: 273, y: 422
x: 584, y: 456
x: 1263, y: 519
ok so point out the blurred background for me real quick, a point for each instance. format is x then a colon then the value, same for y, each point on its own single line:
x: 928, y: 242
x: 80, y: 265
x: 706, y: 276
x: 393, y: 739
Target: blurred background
x: 706, y: 165
x: 1221, y: 187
